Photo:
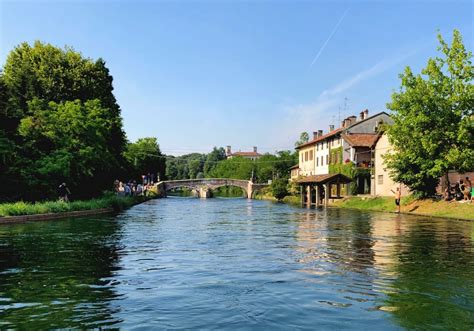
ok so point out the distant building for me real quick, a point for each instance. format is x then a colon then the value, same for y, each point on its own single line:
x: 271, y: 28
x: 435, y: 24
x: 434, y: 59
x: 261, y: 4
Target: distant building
x: 254, y: 155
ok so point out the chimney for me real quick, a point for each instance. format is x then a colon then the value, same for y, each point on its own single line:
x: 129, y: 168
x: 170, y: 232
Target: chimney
x: 343, y: 123
x: 366, y: 114
x: 320, y: 133
x: 255, y: 149
x: 346, y: 123
x: 315, y: 134
x: 362, y: 115
x: 228, y: 151
x: 331, y: 128
x: 351, y: 119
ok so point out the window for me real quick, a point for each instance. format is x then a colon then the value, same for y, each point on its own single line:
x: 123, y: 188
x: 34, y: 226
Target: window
x: 306, y: 156
x: 327, y: 143
x: 317, y: 147
x: 311, y: 155
x: 327, y: 159
x: 322, y: 162
x: 317, y: 162
x: 301, y: 157
x: 380, y: 179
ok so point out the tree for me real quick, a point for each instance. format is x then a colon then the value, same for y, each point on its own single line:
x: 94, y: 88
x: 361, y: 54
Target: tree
x: 65, y: 142
x: 235, y: 168
x: 144, y: 156
x: 433, y: 120
x: 279, y: 188
x: 217, y: 154
x: 304, y: 138
x: 42, y: 81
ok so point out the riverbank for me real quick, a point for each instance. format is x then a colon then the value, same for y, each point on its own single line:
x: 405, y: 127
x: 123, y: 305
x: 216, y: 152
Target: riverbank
x: 409, y: 205
x: 109, y: 203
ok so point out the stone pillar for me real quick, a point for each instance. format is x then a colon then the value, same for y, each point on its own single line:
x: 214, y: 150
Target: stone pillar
x: 308, y: 196
x: 204, y: 192
x: 249, y: 189
x: 161, y: 189
x: 317, y: 195
x: 327, y: 187
x: 338, y: 190
x: 301, y: 195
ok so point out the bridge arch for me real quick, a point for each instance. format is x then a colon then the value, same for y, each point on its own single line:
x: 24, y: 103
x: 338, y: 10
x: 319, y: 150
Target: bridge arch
x: 206, y: 185
x: 242, y: 187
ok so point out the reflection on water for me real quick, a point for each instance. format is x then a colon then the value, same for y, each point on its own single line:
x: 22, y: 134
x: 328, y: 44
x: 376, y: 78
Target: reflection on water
x: 235, y: 263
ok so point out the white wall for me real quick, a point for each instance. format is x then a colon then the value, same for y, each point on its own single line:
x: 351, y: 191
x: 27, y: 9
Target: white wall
x: 384, y: 187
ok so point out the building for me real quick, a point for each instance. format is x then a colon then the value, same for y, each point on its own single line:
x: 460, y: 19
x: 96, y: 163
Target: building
x: 383, y: 185
x: 339, y: 152
x: 254, y: 155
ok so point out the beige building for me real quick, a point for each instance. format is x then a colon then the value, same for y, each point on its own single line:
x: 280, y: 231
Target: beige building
x: 254, y: 155
x: 383, y: 185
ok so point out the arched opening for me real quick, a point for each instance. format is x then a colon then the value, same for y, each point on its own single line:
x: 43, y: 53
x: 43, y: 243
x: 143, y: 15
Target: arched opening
x: 183, y: 192
x: 229, y: 191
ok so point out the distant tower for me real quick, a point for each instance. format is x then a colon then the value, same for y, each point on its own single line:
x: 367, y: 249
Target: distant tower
x: 228, y: 151
x: 255, y: 149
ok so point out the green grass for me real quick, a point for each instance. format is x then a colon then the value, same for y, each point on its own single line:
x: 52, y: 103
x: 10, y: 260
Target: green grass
x: 410, y: 205
x: 107, y: 201
x: 292, y: 200
x: 378, y: 203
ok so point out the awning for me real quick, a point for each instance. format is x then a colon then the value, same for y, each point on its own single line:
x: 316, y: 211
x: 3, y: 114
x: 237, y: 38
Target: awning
x: 323, y: 179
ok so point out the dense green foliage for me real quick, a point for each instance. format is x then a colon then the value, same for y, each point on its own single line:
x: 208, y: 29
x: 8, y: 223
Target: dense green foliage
x: 433, y: 129
x: 279, y: 188
x: 263, y: 169
x: 143, y: 157
x: 215, y: 165
x: 108, y: 201
x: 59, y: 122
x: 194, y: 165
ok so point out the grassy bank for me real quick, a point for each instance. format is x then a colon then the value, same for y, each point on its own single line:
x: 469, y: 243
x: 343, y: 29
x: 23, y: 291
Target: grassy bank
x: 109, y: 201
x: 411, y: 206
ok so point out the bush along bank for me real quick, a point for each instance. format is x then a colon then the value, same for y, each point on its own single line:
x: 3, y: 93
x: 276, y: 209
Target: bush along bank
x: 116, y: 203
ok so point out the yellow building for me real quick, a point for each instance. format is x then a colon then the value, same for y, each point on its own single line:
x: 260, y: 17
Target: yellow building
x: 383, y: 184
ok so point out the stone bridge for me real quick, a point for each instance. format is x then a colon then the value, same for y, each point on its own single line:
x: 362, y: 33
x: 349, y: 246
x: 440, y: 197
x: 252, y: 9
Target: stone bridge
x: 205, y: 186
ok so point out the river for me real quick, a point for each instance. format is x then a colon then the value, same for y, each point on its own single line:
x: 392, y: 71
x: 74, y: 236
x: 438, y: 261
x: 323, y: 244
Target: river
x: 237, y: 263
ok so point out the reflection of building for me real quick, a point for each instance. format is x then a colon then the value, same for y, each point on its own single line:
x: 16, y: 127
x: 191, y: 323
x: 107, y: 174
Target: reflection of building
x: 254, y: 155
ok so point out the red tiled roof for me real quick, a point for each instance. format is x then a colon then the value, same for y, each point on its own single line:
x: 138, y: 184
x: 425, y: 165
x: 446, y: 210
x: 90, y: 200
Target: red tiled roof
x: 361, y: 139
x: 324, y: 136
x: 296, y: 166
x: 321, y: 179
x: 246, y: 154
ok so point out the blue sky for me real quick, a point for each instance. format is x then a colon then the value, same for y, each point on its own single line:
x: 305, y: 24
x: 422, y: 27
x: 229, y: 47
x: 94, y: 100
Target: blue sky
x: 198, y: 74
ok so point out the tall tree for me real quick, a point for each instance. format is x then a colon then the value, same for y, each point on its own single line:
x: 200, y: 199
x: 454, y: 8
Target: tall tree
x: 144, y: 156
x: 34, y: 76
x: 304, y: 138
x: 65, y: 142
x: 217, y: 154
x: 433, y: 129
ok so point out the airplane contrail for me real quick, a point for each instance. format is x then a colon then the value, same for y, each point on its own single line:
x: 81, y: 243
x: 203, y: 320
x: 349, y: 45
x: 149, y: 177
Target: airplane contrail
x: 330, y: 36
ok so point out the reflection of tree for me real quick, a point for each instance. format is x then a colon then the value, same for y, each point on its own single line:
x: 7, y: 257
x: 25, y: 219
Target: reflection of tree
x: 434, y: 287
x: 55, y: 278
